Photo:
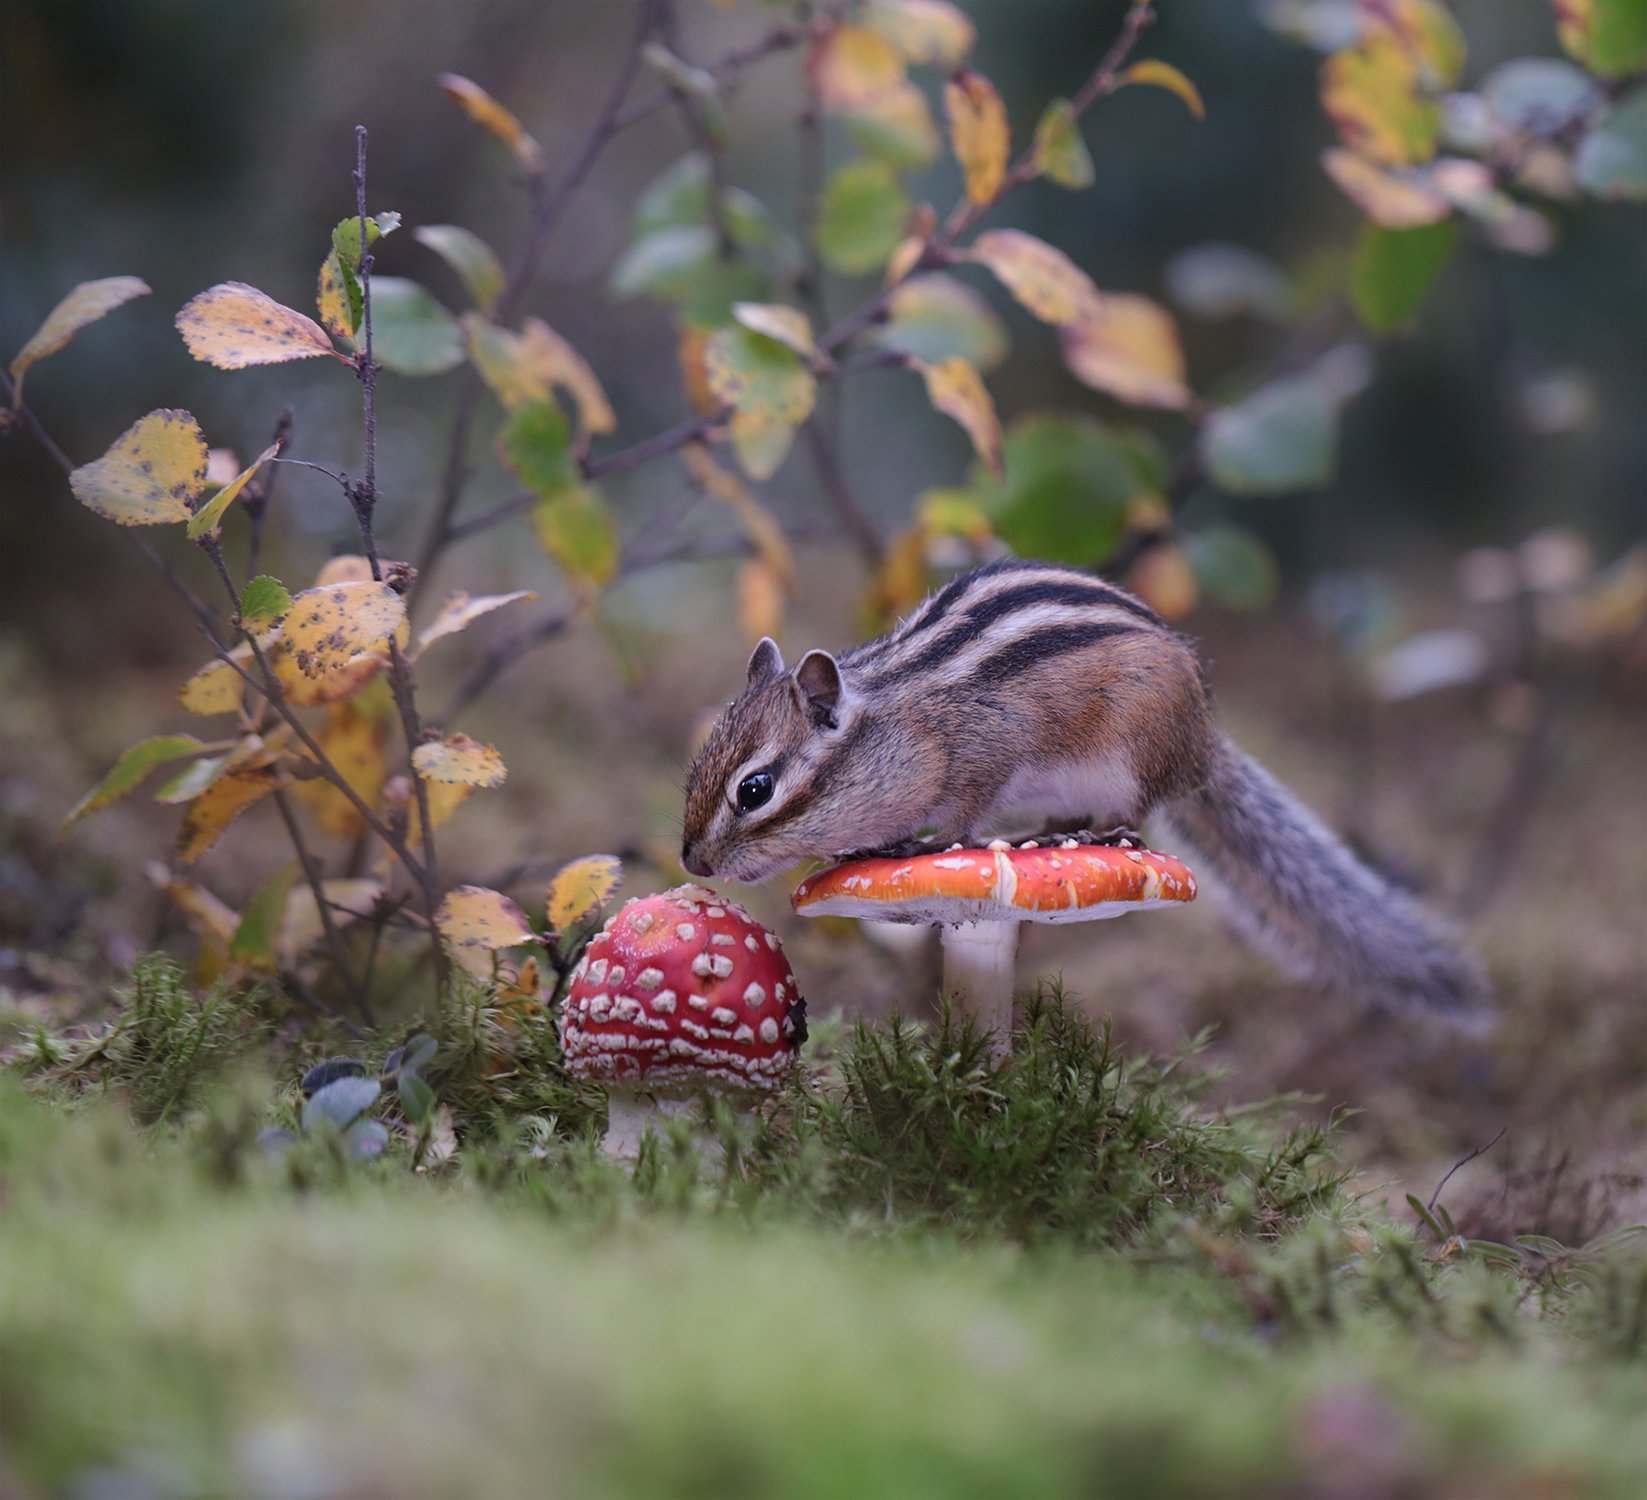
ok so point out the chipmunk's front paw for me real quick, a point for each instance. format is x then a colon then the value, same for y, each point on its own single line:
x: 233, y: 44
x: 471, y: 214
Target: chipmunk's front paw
x: 1121, y: 836
x: 902, y: 849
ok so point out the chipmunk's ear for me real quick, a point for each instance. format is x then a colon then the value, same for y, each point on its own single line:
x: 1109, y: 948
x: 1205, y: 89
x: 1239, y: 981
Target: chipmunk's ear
x: 818, y: 680
x: 766, y: 662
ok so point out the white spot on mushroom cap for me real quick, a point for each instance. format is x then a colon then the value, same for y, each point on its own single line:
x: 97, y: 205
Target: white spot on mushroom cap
x: 722, y: 939
x: 722, y: 1016
x: 597, y: 971
x: 743, y: 1034
x: 754, y: 996
x: 751, y: 942
x: 649, y: 979
x: 717, y: 911
x: 769, y: 1031
x: 685, y: 931
x: 641, y: 921
x: 664, y: 1002
x: 697, y: 1002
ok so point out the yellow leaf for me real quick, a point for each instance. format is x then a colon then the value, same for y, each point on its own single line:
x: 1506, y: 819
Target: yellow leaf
x: 211, y: 917
x: 328, y: 626
x: 945, y: 514
x: 763, y: 527
x: 522, y: 990
x: 925, y: 31
x: 332, y: 300
x: 760, y: 596
x: 1395, y: 201
x: 356, y: 741
x: 217, y: 688
x: 958, y: 390
x: 1130, y: 349
x: 1371, y: 95
x: 694, y: 374
x: 788, y: 325
x: 461, y: 759
x: 87, y: 303
x: 576, y: 530
x: 1164, y: 76
x: 548, y: 354
x: 581, y: 889
x: 346, y: 567
x: 496, y: 354
x: 206, y: 518
x: 1044, y: 280
x: 459, y: 612
x: 233, y: 325
x: 444, y: 797
x: 486, y: 112
x: 151, y: 474
x: 771, y: 390
x: 215, y: 808
x: 476, y: 923
x: 979, y: 133
x: 301, y: 927
x: 1429, y: 33
x: 852, y: 66
x: 336, y: 684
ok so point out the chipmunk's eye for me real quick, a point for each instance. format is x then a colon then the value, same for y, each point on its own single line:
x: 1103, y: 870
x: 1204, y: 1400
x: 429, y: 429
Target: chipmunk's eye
x: 754, y: 790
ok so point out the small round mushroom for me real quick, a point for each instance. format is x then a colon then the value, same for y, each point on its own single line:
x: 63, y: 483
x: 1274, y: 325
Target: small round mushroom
x: 980, y: 896
x: 680, y: 995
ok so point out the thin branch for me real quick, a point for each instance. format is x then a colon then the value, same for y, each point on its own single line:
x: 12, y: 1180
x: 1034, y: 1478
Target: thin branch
x: 858, y: 525
x: 312, y: 875
x: 1463, y: 1161
x: 257, y: 503
x: 660, y: 443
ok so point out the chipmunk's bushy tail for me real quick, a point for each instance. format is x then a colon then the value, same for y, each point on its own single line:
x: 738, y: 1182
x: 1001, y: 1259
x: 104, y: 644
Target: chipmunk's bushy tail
x: 1300, y: 895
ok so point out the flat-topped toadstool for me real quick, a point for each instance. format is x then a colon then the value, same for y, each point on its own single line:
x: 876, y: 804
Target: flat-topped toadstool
x: 679, y: 995
x: 979, y: 896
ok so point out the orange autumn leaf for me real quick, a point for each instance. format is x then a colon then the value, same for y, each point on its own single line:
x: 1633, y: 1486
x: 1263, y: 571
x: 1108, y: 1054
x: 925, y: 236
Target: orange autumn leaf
x: 233, y: 325
x: 581, y: 888
x: 475, y: 923
x: 955, y: 388
x: 219, y: 805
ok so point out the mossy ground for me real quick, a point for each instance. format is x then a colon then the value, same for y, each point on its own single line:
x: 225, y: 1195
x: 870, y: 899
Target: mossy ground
x: 915, y: 1276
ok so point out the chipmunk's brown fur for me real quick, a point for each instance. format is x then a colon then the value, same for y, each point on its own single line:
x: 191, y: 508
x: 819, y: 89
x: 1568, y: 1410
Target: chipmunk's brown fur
x: 1031, y: 689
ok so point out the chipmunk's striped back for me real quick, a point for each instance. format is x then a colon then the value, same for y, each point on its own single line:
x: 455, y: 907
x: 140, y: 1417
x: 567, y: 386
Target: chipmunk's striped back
x: 993, y: 624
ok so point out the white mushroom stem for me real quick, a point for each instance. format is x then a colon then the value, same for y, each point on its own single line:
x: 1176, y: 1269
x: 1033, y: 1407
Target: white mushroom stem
x: 630, y: 1115
x: 978, y: 973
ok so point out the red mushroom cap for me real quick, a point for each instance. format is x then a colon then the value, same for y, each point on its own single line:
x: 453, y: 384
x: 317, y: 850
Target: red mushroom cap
x: 1065, y: 882
x: 679, y: 991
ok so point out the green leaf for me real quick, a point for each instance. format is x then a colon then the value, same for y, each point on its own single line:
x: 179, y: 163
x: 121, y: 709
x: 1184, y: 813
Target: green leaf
x: 576, y: 529
x: 679, y: 198
x: 935, y: 317
x: 254, y: 939
x: 1067, y: 484
x: 416, y: 1097
x: 1283, y: 437
x: 1233, y: 567
x: 1394, y: 269
x: 667, y: 263
x: 264, y: 602
x: 130, y: 770
x: 862, y: 217
x: 412, y: 334
x: 206, y: 518
x: 346, y: 237
x: 1060, y: 152
x: 478, y: 268
x: 1612, y: 159
x: 537, y: 445
x: 1608, y: 36
x: 193, y: 780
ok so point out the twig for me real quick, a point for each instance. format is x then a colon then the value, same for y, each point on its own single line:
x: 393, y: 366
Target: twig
x: 660, y: 443
x: 257, y: 503
x: 1463, y: 1161
x: 857, y: 524
x: 312, y: 875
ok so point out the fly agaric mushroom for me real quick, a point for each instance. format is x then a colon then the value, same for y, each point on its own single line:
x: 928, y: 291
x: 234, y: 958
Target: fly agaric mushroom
x: 679, y: 995
x: 979, y: 896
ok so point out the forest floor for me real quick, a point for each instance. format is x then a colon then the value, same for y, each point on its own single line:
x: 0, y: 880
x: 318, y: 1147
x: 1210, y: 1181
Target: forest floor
x: 1093, y: 1275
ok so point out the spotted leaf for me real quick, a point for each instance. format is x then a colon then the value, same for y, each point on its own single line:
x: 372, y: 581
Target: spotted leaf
x: 151, y: 475
x: 233, y: 325
x: 475, y: 923
x: 219, y: 805
x: 459, y: 612
x: 328, y: 626
x: 582, y: 888
x: 461, y: 759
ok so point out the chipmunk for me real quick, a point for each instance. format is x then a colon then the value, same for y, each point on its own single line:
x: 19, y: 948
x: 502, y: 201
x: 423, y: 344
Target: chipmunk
x: 1028, y: 688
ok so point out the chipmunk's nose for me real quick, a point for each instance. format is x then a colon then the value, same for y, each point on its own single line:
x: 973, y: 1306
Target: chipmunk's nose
x: 693, y: 862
